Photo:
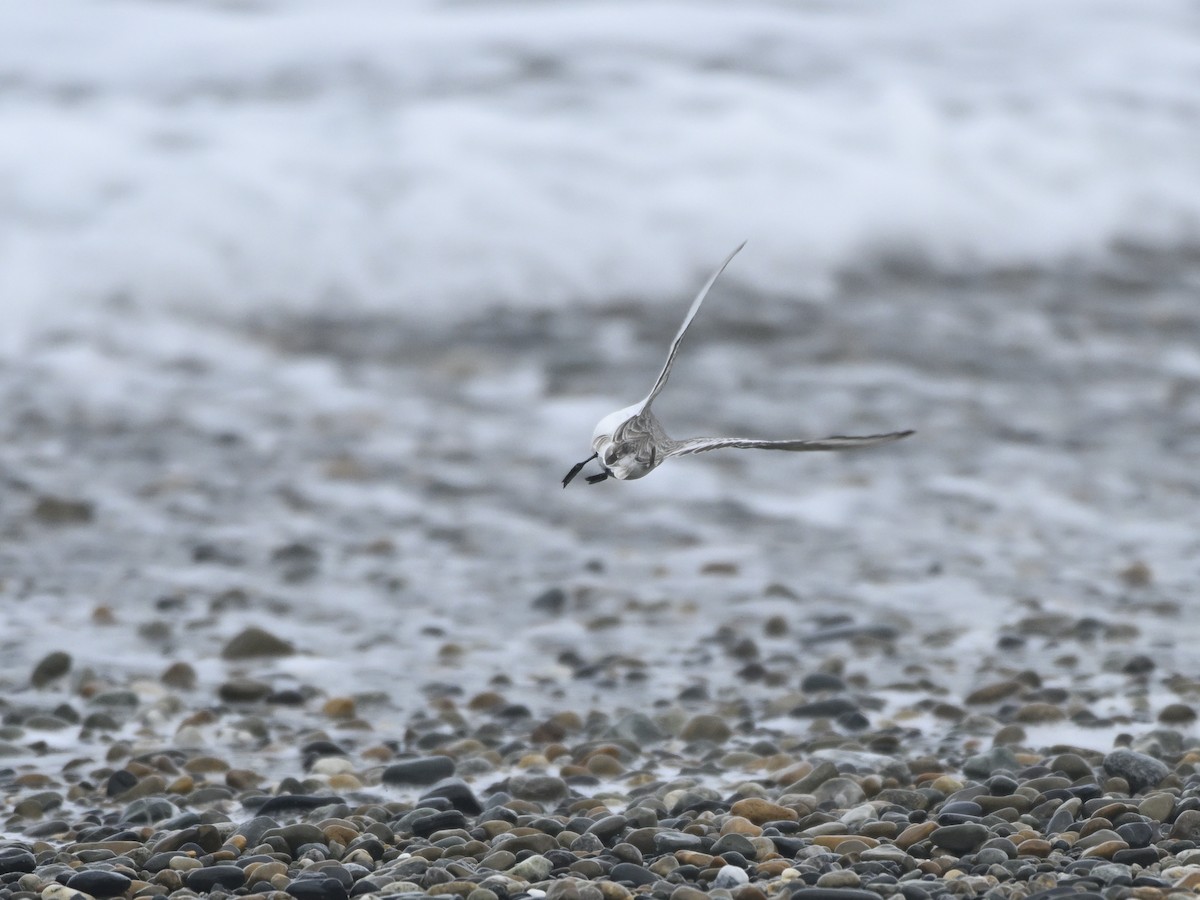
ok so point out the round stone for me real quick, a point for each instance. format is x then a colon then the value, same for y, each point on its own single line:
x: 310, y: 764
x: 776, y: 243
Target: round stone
x: 426, y: 770
x: 734, y: 843
x: 538, y: 788
x: 256, y: 642
x: 839, y: 878
x: 1177, y: 714
x: 706, y: 728
x: 52, y: 666
x: 99, y: 882
x: 1140, y: 771
x: 730, y: 877
x: 633, y: 873
x: 326, y: 888
x: 534, y: 868
x: 1136, y: 834
x: 243, y: 690
x: 205, y: 879
x: 760, y: 811
x: 458, y: 793
x: 961, y: 838
x: 841, y: 792
x: 14, y: 859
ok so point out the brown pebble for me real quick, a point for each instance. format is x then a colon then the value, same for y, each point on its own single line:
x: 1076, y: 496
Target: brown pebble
x: 706, y: 727
x: 759, y: 811
x: 204, y: 765
x: 339, y: 830
x: 339, y: 708
x: 879, y: 829
x: 1105, y: 849
x: 1190, y: 881
x: 613, y: 890
x: 486, y: 700
x: 605, y: 766
x: 63, y: 511
x: 1034, y: 847
x: 1039, y: 712
x: 379, y: 753
x: 773, y: 868
x: 1177, y: 714
x: 947, y: 784
x: 1009, y: 735
x: 741, y: 825
x: 914, y: 833
x: 994, y: 692
x: 242, y: 779
x: 1136, y: 575
x: 255, y: 642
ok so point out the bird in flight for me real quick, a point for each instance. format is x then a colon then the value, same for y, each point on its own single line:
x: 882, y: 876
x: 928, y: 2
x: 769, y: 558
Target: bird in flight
x: 630, y: 443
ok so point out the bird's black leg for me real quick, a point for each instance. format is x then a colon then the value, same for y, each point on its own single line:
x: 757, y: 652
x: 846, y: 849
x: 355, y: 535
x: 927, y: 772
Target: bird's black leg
x: 575, y: 470
x: 598, y: 477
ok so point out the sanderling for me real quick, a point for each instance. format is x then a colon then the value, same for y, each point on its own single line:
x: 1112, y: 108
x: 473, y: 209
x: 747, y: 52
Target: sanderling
x: 631, y: 442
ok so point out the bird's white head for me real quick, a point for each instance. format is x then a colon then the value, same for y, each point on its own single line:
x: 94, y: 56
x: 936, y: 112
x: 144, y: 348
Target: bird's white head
x: 622, y: 455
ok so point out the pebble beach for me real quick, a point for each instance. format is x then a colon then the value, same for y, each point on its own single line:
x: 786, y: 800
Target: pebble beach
x: 306, y: 313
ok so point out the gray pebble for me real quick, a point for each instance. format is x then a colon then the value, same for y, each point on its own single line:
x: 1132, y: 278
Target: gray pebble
x: 426, y: 770
x: 841, y: 792
x: 1140, y: 771
x: 532, y: 868
x: 983, y: 765
x: 730, y: 877
x: 735, y: 843
x: 99, y: 882
x: 255, y: 642
x: 961, y: 838
x: 538, y: 788
x: 52, y: 666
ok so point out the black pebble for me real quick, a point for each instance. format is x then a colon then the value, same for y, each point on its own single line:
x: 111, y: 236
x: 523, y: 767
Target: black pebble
x: 821, y: 681
x: 14, y: 859
x: 427, y: 770
x: 294, y: 802
x: 202, y: 881
x: 99, y: 882
x: 829, y: 708
x: 816, y: 893
x: 1136, y: 834
x: 552, y: 600
x: 635, y: 874
x: 459, y: 794
x: 119, y: 782
x: 1141, y: 856
x: 424, y: 826
x: 318, y: 889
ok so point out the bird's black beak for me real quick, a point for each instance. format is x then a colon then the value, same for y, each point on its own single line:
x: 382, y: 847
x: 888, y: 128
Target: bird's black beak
x: 575, y: 469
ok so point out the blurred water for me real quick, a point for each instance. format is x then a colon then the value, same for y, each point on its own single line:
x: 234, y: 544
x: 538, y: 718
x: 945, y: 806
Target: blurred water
x: 439, y: 159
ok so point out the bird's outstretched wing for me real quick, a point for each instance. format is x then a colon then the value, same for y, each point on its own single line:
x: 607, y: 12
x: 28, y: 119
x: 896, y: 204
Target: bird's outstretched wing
x: 836, y: 442
x: 687, y: 321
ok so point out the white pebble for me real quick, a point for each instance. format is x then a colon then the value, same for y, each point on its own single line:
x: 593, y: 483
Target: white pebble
x: 730, y: 877
x: 332, y: 765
